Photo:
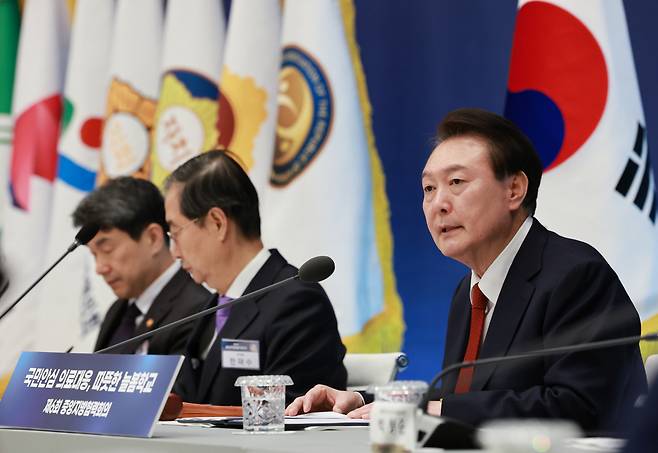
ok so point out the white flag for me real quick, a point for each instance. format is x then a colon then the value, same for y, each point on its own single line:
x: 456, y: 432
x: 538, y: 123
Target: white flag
x: 132, y: 96
x: 9, y: 26
x: 37, y: 107
x: 186, y: 118
x: 574, y: 91
x: 247, y: 113
x: 71, y: 313
x: 326, y: 193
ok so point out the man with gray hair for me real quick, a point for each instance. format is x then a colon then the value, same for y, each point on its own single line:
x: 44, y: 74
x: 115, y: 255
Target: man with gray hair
x: 212, y: 211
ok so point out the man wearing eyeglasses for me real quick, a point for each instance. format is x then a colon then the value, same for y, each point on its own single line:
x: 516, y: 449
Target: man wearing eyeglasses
x: 132, y: 255
x: 212, y: 211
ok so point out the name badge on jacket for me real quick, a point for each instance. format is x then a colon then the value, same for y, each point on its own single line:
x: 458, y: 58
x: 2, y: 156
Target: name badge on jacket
x: 243, y: 354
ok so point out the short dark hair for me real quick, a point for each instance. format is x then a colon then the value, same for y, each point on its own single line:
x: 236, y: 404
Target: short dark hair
x: 126, y: 203
x: 510, y: 151
x: 216, y: 179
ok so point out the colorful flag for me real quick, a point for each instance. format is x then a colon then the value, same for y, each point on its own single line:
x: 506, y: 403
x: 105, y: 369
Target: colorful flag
x: 573, y: 89
x: 248, y: 104
x: 9, y: 26
x: 75, y: 315
x: 37, y: 107
x: 186, y: 117
x: 326, y: 193
x: 133, y: 92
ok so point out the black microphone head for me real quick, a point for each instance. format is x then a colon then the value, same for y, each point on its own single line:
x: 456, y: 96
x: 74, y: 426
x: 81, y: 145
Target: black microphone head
x: 316, y: 269
x: 86, y: 234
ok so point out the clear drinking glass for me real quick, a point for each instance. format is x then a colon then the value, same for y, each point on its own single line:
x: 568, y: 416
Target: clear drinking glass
x: 400, y: 391
x: 263, y: 402
x: 393, y: 415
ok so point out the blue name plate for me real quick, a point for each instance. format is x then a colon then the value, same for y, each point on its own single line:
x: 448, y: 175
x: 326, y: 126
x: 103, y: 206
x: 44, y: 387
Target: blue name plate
x: 113, y: 394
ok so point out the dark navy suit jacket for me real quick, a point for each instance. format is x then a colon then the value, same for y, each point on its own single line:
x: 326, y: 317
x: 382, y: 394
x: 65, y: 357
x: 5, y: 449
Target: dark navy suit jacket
x: 557, y: 292
x: 297, y: 331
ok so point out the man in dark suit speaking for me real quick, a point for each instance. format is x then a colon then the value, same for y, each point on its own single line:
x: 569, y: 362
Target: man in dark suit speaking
x: 213, y: 216
x: 528, y: 288
x: 132, y: 255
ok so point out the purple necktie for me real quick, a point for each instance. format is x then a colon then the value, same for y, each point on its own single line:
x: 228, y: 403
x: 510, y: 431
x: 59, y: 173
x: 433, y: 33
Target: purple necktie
x: 222, y: 315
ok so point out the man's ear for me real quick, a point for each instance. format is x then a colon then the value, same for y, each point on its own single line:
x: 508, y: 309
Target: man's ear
x: 517, y: 190
x: 154, y: 235
x: 217, y: 220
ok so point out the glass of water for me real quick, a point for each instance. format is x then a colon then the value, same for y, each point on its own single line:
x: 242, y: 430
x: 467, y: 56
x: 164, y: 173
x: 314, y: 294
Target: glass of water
x: 393, y: 415
x: 263, y: 402
x: 400, y: 391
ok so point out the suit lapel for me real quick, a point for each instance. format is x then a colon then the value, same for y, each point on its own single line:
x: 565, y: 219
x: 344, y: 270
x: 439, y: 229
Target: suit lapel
x: 459, y: 322
x: 457, y: 334
x: 241, y: 316
x: 512, y: 303
x: 110, y: 323
x: 163, y: 303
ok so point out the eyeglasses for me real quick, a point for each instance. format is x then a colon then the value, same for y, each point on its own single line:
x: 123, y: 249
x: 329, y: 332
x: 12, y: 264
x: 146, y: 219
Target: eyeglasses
x: 173, y: 234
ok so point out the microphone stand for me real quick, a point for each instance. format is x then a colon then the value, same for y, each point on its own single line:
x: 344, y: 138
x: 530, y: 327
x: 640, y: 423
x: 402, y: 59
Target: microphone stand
x: 532, y: 354
x: 192, y: 317
x: 11, y: 307
x: 449, y: 434
x: 84, y: 235
x: 314, y: 270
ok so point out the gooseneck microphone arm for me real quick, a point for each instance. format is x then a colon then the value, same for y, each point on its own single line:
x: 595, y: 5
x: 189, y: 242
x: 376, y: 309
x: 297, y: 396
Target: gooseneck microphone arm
x: 201, y: 314
x: 314, y: 270
x: 85, y: 234
x: 533, y: 354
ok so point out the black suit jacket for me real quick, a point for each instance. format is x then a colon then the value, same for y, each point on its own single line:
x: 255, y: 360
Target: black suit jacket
x: 179, y: 298
x: 297, y: 331
x: 557, y: 292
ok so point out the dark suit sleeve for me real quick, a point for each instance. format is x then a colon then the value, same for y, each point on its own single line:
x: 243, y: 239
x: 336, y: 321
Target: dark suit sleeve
x: 179, y: 339
x: 303, y: 341
x: 587, y: 304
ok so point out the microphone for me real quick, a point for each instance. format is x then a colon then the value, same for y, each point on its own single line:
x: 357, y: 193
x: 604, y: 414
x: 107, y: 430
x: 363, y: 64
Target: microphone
x: 448, y: 433
x: 534, y: 354
x: 85, y: 234
x: 312, y: 271
x: 316, y: 269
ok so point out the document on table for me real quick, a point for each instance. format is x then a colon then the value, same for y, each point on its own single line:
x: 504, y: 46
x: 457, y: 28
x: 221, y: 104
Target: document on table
x: 312, y: 419
x: 325, y: 418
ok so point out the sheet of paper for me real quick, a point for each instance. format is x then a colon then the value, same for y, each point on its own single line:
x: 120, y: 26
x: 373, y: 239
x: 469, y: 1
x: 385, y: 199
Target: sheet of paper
x: 326, y: 414
x: 313, y: 418
x: 324, y: 418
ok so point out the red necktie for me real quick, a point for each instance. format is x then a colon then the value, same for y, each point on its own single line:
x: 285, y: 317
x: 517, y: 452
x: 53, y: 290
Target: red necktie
x: 478, y: 306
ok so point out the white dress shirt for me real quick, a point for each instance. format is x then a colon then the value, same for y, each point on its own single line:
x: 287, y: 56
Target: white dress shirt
x: 145, y: 300
x: 491, y: 283
x: 239, y: 285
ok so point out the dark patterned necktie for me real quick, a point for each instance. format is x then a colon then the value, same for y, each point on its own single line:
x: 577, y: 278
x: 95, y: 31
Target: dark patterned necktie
x: 126, y: 328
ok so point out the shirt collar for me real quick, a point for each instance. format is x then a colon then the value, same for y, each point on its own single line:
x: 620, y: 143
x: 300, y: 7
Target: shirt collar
x: 145, y: 300
x: 491, y: 283
x: 247, y: 274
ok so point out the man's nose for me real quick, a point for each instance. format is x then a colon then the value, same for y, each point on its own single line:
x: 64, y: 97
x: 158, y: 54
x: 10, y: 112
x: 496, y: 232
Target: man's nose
x: 175, y: 250
x: 102, y: 267
x: 442, y: 200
